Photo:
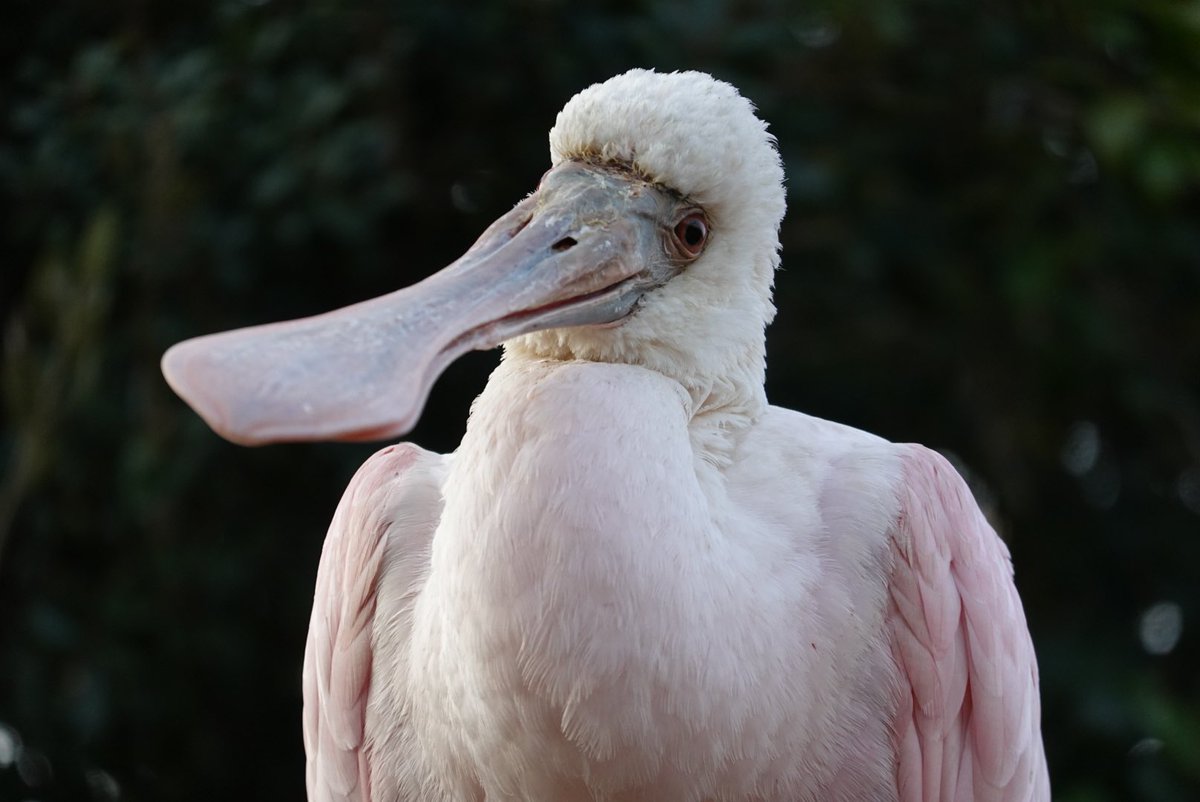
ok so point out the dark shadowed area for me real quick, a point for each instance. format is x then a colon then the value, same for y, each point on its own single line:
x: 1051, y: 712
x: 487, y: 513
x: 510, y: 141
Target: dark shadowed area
x: 992, y: 248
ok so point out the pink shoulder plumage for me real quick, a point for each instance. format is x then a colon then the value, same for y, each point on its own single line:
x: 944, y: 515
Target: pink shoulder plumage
x: 339, y: 652
x: 969, y: 726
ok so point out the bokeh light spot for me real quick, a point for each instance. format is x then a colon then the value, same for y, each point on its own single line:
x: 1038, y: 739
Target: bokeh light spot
x: 1188, y: 488
x: 1146, y: 746
x: 103, y: 786
x: 1161, y: 627
x: 10, y: 746
x: 1081, y: 449
x: 34, y: 768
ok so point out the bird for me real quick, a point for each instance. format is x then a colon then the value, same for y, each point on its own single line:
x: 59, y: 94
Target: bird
x: 635, y: 578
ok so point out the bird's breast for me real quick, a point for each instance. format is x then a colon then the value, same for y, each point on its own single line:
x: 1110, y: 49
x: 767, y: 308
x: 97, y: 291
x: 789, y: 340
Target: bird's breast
x: 573, y: 497
x: 600, y: 613
x: 557, y: 604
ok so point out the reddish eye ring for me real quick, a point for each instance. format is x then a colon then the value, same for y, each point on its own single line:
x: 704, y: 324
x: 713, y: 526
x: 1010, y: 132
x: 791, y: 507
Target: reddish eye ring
x: 691, y: 233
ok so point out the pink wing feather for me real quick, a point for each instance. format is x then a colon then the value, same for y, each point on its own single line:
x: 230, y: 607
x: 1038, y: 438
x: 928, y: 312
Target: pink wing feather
x: 369, y: 523
x: 969, y: 727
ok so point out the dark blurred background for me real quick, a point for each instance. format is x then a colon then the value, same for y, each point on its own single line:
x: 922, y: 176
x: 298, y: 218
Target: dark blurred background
x: 993, y: 248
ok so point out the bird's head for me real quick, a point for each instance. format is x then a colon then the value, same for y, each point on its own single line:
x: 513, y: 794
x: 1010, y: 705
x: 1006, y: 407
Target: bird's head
x: 693, y: 144
x: 652, y: 240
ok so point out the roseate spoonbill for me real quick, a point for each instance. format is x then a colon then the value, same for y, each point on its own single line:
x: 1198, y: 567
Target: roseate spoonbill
x: 635, y: 579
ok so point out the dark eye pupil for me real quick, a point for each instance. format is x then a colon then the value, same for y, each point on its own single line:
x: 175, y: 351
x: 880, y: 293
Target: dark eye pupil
x: 693, y: 233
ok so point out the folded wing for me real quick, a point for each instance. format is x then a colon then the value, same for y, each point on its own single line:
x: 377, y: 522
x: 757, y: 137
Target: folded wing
x: 383, y: 526
x: 969, y: 726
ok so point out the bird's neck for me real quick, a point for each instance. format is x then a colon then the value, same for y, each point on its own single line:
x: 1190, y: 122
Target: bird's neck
x: 719, y: 415
x: 720, y: 406
x: 574, y: 472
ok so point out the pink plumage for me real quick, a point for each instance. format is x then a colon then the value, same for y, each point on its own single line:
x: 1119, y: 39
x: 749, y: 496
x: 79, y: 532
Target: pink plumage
x: 969, y: 727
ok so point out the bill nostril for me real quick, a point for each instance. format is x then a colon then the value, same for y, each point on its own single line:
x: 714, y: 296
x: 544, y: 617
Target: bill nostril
x: 566, y: 243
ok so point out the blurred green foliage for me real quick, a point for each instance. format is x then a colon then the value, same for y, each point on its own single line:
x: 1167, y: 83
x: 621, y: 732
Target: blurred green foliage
x: 993, y: 247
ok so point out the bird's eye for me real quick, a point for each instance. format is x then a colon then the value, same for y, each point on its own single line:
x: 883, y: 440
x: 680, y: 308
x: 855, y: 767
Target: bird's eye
x: 692, y: 233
